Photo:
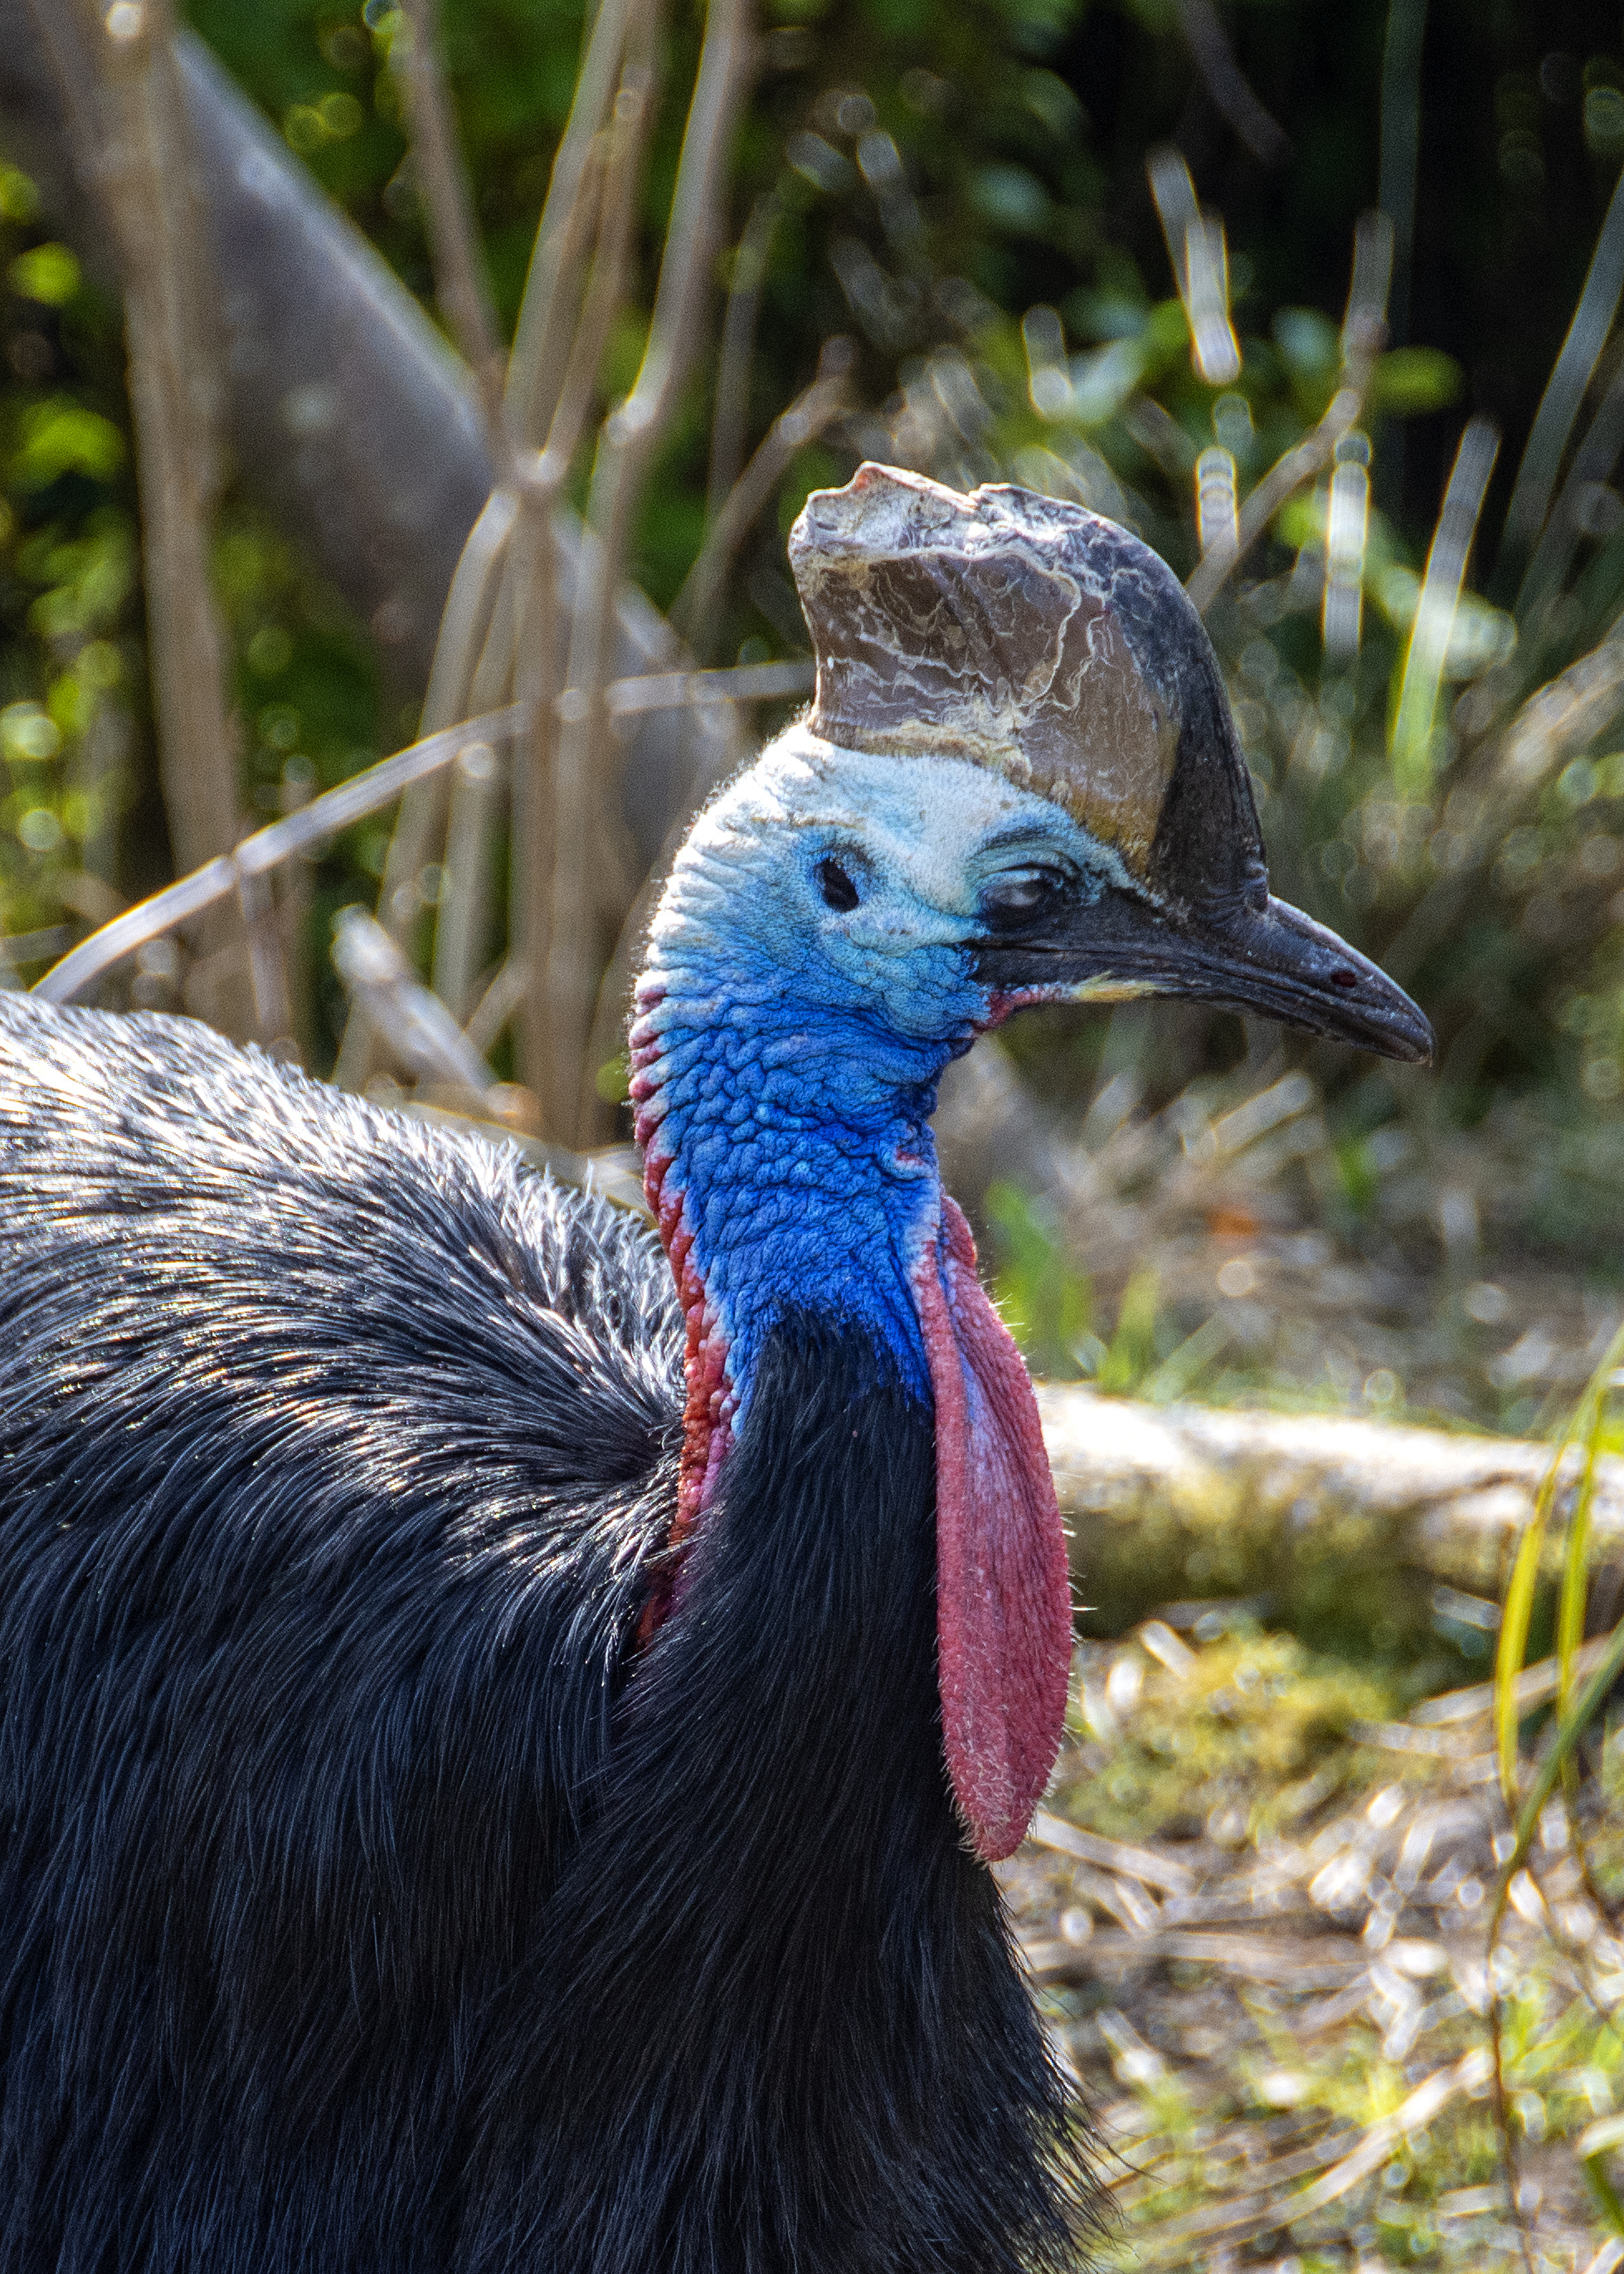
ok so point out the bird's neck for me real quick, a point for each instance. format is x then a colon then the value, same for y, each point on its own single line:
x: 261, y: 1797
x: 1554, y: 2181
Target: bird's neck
x: 791, y: 1167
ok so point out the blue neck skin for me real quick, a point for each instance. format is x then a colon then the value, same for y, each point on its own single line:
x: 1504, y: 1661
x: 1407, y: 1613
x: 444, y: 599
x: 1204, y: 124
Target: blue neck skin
x: 796, y: 1125
x: 810, y: 973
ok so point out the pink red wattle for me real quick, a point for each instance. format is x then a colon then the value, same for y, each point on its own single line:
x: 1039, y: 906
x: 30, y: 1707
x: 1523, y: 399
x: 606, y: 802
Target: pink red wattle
x: 708, y: 1409
x: 1004, y: 1596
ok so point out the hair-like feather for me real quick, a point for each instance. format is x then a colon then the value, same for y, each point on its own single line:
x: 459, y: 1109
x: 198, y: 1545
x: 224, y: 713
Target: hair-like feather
x: 371, y: 1903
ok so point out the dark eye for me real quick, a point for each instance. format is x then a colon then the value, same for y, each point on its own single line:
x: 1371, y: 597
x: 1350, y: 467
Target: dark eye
x: 1015, y: 900
x: 835, y: 886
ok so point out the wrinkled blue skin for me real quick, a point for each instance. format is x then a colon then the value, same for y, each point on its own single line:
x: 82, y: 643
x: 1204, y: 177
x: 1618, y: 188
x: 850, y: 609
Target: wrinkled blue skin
x: 799, y: 1047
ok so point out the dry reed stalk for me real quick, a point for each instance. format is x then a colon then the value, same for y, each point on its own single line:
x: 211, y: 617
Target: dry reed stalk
x: 540, y: 663
x: 266, y: 849
x: 1558, y: 406
x: 462, y: 293
x: 503, y: 600
x: 304, y: 828
x: 1427, y: 649
x: 124, y: 98
x: 544, y: 332
x: 807, y: 417
x: 731, y: 416
x: 266, y: 970
x: 464, y: 634
x: 1364, y: 333
x: 464, y: 919
x: 584, y: 783
x: 146, y: 176
x: 1228, y: 84
x: 442, y: 183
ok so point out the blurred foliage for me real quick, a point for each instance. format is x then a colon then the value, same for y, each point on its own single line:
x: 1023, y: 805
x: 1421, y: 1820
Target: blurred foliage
x: 962, y: 187
x: 1258, y: 1733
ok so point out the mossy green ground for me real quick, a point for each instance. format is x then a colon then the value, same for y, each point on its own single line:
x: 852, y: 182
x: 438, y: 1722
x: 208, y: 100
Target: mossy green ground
x: 1284, y: 2041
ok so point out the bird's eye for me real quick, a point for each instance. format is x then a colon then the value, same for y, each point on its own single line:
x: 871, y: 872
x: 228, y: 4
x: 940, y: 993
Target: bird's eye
x: 1016, y: 900
x: 835, y: 886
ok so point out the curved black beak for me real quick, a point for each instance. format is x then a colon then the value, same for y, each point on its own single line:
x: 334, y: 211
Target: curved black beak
x: 1256, y: 955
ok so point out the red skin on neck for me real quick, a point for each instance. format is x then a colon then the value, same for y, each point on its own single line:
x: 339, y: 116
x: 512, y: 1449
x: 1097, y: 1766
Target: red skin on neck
x: 1004, y: 1597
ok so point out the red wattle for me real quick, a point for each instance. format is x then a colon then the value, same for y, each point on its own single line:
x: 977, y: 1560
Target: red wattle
x: 708, y: 1410
x: 1004, y: 1596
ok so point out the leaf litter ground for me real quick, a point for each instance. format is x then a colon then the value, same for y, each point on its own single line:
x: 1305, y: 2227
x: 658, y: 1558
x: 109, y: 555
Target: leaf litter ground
x: 1258, y: 1911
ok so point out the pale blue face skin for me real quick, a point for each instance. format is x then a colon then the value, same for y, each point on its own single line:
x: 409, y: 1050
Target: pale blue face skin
x: 801, y: 1044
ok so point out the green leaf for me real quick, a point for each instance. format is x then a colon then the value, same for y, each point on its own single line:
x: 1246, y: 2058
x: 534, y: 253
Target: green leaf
x: 1409, y: 380
x: 1009, y: 197
x: 1573, y: 1717
x: 613, y: 1079
x: 1045, y: 1303
x: 48, y: 272
x: 20, y: 199
x: 1133, y: 1346
x: 61, y: 437
x: 1569, y: 1729
x: 1514, y: 1622
x: 1575, y: 1560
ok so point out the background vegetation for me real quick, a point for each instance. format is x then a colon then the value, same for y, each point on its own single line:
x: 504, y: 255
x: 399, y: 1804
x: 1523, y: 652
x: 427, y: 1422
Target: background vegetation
x: 917, y: 180
x: 938, y: 216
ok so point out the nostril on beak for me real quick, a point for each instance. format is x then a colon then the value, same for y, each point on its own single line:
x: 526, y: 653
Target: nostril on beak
x: 1342, y: 977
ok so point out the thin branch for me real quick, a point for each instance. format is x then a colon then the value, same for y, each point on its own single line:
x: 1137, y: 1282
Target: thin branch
x: 630, y: 437
x: 463, y: 917
x: 257, y: 856
x: 541, y: 663
x: 542, y: 338
x: 731, y: 416
x: 461, y: 285
x: 368, y: 793
x: 1227, y: 85
x: 813, y: 409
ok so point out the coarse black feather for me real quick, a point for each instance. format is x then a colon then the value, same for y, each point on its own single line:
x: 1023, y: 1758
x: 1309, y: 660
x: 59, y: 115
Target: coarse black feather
x: 370, y: 1903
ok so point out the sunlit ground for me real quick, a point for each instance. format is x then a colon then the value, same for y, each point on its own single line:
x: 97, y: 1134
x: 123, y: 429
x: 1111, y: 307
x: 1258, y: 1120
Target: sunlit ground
x: 1269, y: 1966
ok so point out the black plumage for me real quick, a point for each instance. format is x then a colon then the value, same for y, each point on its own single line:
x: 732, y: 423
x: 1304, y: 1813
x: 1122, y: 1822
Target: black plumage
x: 372, y: 1901
x: 503, y: 1730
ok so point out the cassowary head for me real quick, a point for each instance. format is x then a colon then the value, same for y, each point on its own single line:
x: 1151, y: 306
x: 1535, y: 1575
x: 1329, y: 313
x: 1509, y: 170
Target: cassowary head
x: 1019, y: 782
x: 1059, y: 656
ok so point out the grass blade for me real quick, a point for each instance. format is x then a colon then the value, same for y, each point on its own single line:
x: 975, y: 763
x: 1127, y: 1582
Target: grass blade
x: 1558, y: 406
x: 1440, y: 593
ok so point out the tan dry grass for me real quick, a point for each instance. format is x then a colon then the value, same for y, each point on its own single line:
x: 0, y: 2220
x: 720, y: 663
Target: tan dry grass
x: 1275, y: 2002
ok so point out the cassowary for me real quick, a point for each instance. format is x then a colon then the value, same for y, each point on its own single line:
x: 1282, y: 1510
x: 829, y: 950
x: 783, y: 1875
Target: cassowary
x: 505, y: 1730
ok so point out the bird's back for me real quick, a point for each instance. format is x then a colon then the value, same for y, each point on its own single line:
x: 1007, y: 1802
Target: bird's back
x: 331, y: 1448
x: 380, y: 1894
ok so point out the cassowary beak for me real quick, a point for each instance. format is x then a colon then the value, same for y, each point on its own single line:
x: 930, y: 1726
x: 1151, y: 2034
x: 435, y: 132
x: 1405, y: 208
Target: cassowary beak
x: 1259, y: 956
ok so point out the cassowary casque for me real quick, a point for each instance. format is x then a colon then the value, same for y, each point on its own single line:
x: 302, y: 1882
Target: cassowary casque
x: 503, y: 1730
